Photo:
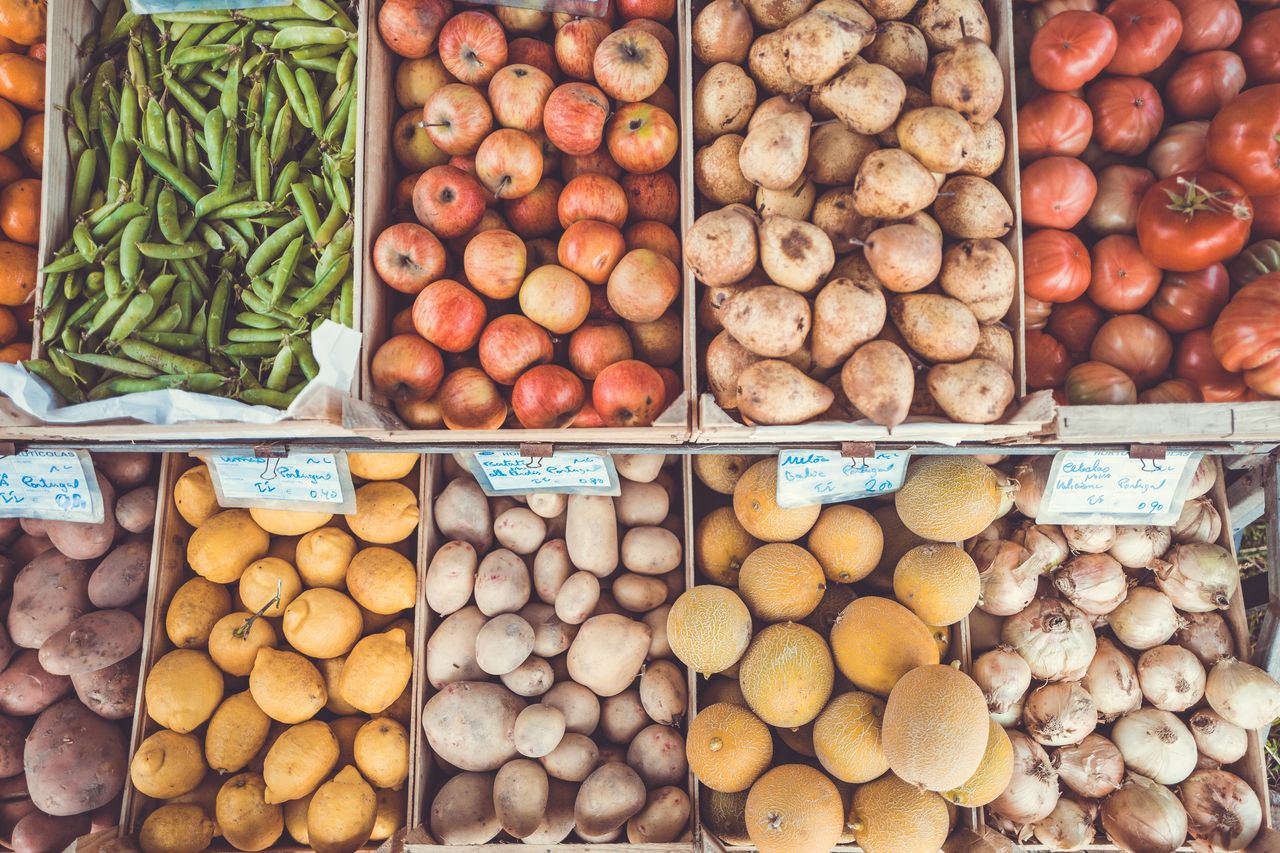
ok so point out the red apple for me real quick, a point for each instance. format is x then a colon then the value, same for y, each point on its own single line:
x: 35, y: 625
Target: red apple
x: 420, y: 414
x: 402, y: 198
x: 555, y: 298
x: 547, y: 397
x: 628, y: 394
x: 648, y: 234
x: 410, y: 27
x: 658, y: 343
x: 658, y: 10
x: 510, y: 345
x: 509, y: 163
x: 448, y: 201
x: 598, y: 162
x: 518, y: 94
x: 473, y: 46
x: 595, y: 345
x: 535, y: 215
x: 540, y: 54
x: 449, y: 315
x: 457, y: 118
x: 494, y: 263
x: 574, y: 117
x: 643, y: 285
x: 469, y: 400
x: 406, y: 367
x: 541, y: 251
x: 588, y: 418
x: 491, y: 220
x: 642, y: 138
x: 576, y: 44
x: 522, y: 20
x: 592, y: 197
x: 671, y: 384
x: 665, y: 37
x: 408, y: 257
x: 551, y: 155
x: 412, y: 145
x: 591, y: 249
x: 402, y: 322
x: 416, y: 79
x: 600, y: 307
x: 630, y: 64
x: 653, y: 196
x: 468, y: 165
x: 559, y: 19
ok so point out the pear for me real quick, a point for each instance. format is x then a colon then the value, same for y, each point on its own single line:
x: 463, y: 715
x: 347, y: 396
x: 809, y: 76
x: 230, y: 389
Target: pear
x: 946, y: 22
x: 795, y: 202
x: 722, y: 32
x: 774, y: 392
x: 771, y: 321
x: 846, y: 314
x: 889, y: 10
x: 723, y: 102
x: 775, y: 151
x: 725, y: 361
x: 981, y: 274
x: 986, y: 153
x: 880, y: 382
x: 795, y: 254
x: 969, y: 80
x: 718, y: 176
x: 775, y: 107
x: 995, y: 343
x: 720, y: 247
x: 835, y: 153
x: 769, y: 67
x: 867, y: 98
x: 714, y: 299
x: 936, y: 327
x: 905, y: 257
x: 936, y: 136
x: 836, y: 215
x: 970, y: 208
x: 776, y: 14
x: 825, y: 39
x: 891, y: 184
x: 901, y: 47
x: 976, y: 391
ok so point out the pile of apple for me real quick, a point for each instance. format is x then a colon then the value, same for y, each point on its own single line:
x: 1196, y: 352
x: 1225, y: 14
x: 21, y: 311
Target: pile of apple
x: 538, y: 203
x: 850, y: 240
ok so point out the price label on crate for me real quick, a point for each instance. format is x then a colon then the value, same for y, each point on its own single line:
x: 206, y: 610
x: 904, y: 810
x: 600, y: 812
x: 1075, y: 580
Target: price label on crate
x: 1110, y: 487
x: 300, y: 481
x: 825, y: 476
x: 504, y: 472
x: 53, y: 484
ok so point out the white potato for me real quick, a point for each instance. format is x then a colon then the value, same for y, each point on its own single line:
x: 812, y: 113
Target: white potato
x: 591, y: 532
x: 531, y: 678
x: 579, y: 705
x: 656, y: 619
x: 520, y: 529
x: 502, y: 583
x: 463, y: 812
x: 622, y: 717
x: 504, y: 643
x: 520, y: 792
x: 539, y: 729
x: 577, y: 598
x: 451, y: 650
x: 551, y: 636
x: 664, y: 692
x: 607, y: 653
x: 638, y: 593
x: 641, y: 503
x: 461, y: 511
x: 451, y: 577
x: 638, y: 467
x: 548, y: 504
x: 573, y: 759
x: 651, y: 550
x: 551, y: 567
x: 657, y: 754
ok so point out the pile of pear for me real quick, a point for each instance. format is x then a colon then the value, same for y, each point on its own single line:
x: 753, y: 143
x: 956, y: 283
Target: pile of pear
x: 850, y: 238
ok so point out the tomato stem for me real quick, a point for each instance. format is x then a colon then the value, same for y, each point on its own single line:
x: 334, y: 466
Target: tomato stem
x: 1196, y: 199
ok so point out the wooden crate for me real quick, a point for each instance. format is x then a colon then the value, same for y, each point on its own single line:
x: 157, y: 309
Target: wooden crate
x: 169, y: 571
x: 1029, y: 415
x: 673, y: 426
x: 1197, y: 423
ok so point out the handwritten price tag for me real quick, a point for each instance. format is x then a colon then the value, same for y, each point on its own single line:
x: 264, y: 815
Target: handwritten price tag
x: 507, y: 472
x: 824, y: 476
x: 1108, y: 487
x: 311, y: 481
x: 54, y: 484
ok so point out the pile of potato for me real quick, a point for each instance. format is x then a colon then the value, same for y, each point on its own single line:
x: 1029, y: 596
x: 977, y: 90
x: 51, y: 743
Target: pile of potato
x: 74, y: 595
x: 284, y: 701
x: 843, y: 162
x: 559, y: 707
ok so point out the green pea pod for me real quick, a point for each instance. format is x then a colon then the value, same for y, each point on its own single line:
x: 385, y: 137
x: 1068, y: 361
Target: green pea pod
x: 203, y: 16
x: 162, y: 360
x: 318, y: 51
x: 70, y: 341
x: 157, y: 160
x: 338, y: 189
x: 237, y: 243
x: 304, y: 357
x: 260, y: 288
x: 340, y: 246
x: 310, y: 96
x: 54, y: 319
x: 183, y: 296
x: 167, y: 321
x: 262, y: 38
x: 242, y: 210
x: 257, y: 321
x: 329, y: 227
x: 283, y: 273
x: 167, y: 216
x: 260, y: 167
x: 137, y: 70
x: 45, y: 371
x: 129, y: 114
x: 274, y: 246
x: 314, y: 9
x: 251, y: 349
x: 151, y: 54
x: 229, y: 100
x: 186, y: 99
x: 107, y: 314
x: 153, y: 129
x: 301, y: 36
x: 184, y: 341
x: 104, y: 210
x: 253, y: 106
x: 347, y: 67
x: 199, y: 322
x: 192, y: 272
x: 130, y: 242
x: 210, y: 236
x: 255, y: 336
x: 327, y: 65
x: 91, y: 306
x: 347, y: 303
x: 220, y: 198
x: 202, y: 54
x: 337, y: 112
x: 254, y: 63
x: 170, y: 252
x: 67, y: 367
x: 66, y: 263
x: 293, y: 94
x: 323, y: 287
x: 138, y: 184
x: 103, y: 79
x: 257, y: 304
x: 280, y: 134
x: 132, y: 317
x: 114, y: 364
x: 230, y: 150
x: 281, y: 367
x: 112, y: 279
x: 161, y: 286
x: 217, y: 313
x: 288, y: 174
x: 266, y: 397
x: 191, y: 151
x: 117, y: 168
x: 273, y: 95
x: 79, y: 112
x: 113, y: 224
x: 212, y: 79
x: 51, y: 290
x: 83, y: 240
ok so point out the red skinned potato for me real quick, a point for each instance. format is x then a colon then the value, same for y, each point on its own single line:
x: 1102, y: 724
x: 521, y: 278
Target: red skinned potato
x: 49, y: 594
x: 14, y: 806
x: 92, y: 642
x: 124, y: 470
x: 25, y: 688
x: 111, y: 693
x: 13, y: 732
x: 75, y: 760
x: 82, y: 540
x: 121, y: 578
x: 27, y: 548
x: 39, y: 831
x: 136, y: 509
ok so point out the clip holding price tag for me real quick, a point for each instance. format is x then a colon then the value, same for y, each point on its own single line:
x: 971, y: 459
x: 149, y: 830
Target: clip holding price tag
x: 59, y: 485
x: 1113, y: 487
x: 296, y: 481
x: 507, y: 472
x: 822, y: 476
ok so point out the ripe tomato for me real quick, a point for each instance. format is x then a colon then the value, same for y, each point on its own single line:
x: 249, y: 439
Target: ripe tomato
x: 1194, y: 361
x: 1208, y: 24
x: 1266, y: 217
x: 1123, y: 280
x: 1120, y: 190
x: 1071, y: 49
x: 1244, y: 140
x: 1057, y: 192
x: 1257, y: 47
x: 1096, y: 384
x: 1074, y: 325
x: 1127, y: 114
x: 1047, y: 361
x: 1187, y: 222
x: 1247, y: 334
x: 1148, y: 32
x: 1181, y: 148
x: 1191, y: 300
x: 1261, y: 258
x: 1203, y: 83
x: 1172, y: 391
x: 1136, y: 344
x: 1055, y: 266
x: 1035, y: 312
x: 1053, y: 124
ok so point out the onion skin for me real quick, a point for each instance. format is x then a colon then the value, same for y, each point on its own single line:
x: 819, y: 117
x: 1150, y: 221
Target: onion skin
x: 1007, y: 574
x: 1243, y: 694
x: 1033, y: 791
x: 1207, y: 636
x: 1054, y: 637
x: 1089, y: 538
x: 1031, y: 473
x: 1145, y: 620
x: 1112, y: 681
x: 1222, y: 810
x: 1198, y: 577
x: 1144, y: 817
x: 1172, y: 678
x: 1218, y: 739
x: 1004, y: 678
x: 1092, y: 768
x: 1095, y: 583
x: 1156, y: 744
x: 1198, y: 522
x: 1069, y: 827
x: 1059, y: 714
x: 1205, y: 476
x: 1046, y: 543
x: 1138, y: 547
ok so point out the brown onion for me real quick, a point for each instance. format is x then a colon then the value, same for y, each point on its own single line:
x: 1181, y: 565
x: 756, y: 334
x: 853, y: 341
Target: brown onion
x: 1138, y: 547
x: 1033, y: 791
x: 1031, y: 474
x: 1046, y: 543
x: 1089, y: 538
x: 1053, y: 636
x: 1199, y: 522
x: 1218, y: 739
x: 1242, y: 693
x: 1095, y: 583
x: 1145, y: 620
x: 1222, y: 810
x: 1207, y: 636
x: 1144, y: 817
x: 1171, y: 677
x: 1068, y: 827
x: 1205, y: 476
x: 1003, y: 676
x: 1198, y: 577
x: 1156, y: 744
x: 1009, y: 579
x: 1112, y: 681
x: 1059, y: 713
x: 1091, y: 768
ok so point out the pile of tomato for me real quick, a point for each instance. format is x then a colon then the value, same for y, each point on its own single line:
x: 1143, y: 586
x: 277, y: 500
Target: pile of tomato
x: 1149, y: 136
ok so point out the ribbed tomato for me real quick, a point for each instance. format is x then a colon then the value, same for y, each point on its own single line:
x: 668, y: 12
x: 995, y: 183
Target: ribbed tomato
x: 1057, y: 192
x: 1203, y: 83
x: 1261, y: 258
x: 1244, y: 140
x: 1194, y: 361
x: 1120, y: 191
x: 1208, y: 24
x: 1053, y: 124
x: 1071, y: 49
x: 1147, y: 31
x: 1123, y: 279
x: 1181, y: 148
x: 1047, y: 361
x: 1055, y: 266
x: 1191, y: 300
x: 1257, y: 47
x: 1190, y: 221
x: 1127, y: 114
x: 1266, y: 217
x: 1136, y: 344
x: 1096, y: 384
x: 1074, y: 324
x: 1247, y: 334
x: 1172, y: 391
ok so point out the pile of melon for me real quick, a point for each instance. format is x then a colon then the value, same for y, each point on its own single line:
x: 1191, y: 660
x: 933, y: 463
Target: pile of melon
x: 830, y: 715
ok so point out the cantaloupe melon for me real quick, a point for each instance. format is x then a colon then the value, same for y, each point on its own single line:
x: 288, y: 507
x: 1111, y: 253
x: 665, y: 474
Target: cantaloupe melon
x: 992, y: 775
x: 726, y: 816
x: 876, y: 641
x: 847, y: 542
x: 799, y: 740
x: 941, y: 635
x: 755, y: 502
x: 835, y: 599
x: 781, y: 582
x: 898, y: 540
x: 720, y: 472
x: 728, y: 747
x: 948, y: 498
x: 892, y: 816
x: 937, y: 582
x: 794, y: 809
x: 787, y: 674
x: 722, y: 689
x: 708, y: 628
x: 846, y: 737
x: 935, y: 727
x: 720, y: 544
